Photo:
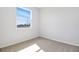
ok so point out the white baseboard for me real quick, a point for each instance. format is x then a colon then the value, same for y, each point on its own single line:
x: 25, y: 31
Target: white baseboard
x: 19, y: 41
x: 62, y: 41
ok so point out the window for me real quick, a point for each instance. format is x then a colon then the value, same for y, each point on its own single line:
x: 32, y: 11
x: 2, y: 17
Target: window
x: 23, y: 17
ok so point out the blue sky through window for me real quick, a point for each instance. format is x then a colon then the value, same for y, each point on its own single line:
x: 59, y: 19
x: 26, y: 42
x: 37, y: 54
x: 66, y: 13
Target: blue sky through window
x: 22, y: 16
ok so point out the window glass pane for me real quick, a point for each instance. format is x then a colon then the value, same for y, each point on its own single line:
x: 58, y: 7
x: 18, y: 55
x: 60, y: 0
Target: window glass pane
x: 23, y: 17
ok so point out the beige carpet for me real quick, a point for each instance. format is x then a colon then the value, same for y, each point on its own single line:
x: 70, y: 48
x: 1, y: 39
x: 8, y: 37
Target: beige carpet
x: 41, y: 45
x: 0, y: 50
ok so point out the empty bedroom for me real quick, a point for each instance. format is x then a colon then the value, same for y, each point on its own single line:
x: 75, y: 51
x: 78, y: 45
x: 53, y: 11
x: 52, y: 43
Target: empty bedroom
x: 39, y: 29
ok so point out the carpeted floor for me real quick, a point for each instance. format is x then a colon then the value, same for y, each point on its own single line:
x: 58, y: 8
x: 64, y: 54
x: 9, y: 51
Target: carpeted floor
x: 41, y: 45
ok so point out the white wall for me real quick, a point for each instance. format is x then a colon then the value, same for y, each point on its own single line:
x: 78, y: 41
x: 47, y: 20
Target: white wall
x: 60, y: 24
x: 1, y: 34
x: 11, y: 34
